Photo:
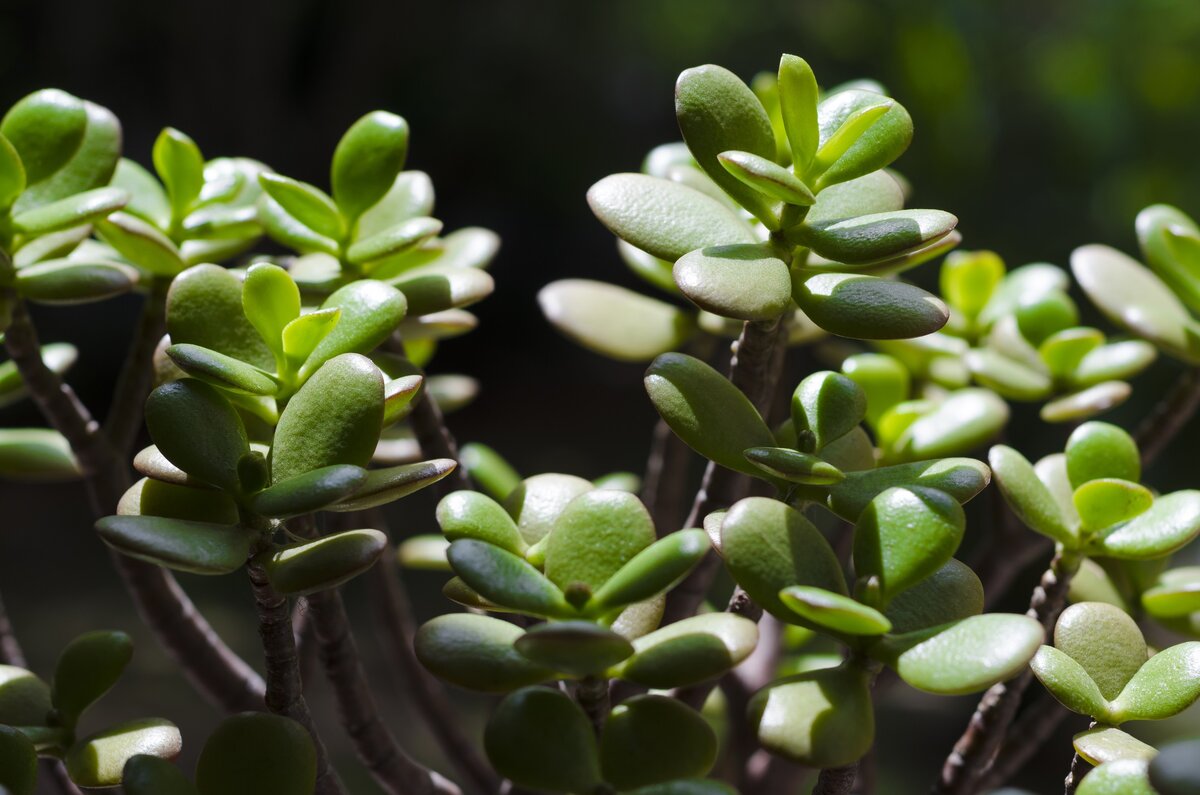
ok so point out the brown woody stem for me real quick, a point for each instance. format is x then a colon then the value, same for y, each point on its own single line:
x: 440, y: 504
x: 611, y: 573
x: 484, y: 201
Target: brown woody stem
x: 137, y: 374
x: 1169, y: 416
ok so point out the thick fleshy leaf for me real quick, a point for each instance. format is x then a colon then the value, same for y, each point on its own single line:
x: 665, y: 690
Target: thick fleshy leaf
x: 868, y: 307
x: 180, y: 166
x: 1107, y: 744
x: 664, y: 218
x: 476, y: 652
x: 876, y: 147
x: 367, y: 161
x: 1063, y: 351
x: 1093, y: 584
x: 905, y: 535
x: 37, y: 454
x: 1167, y: 684
x: 579, y: 648
x: 741, y: 281
x: 284, y: 228
x: 823, y: 718
x: 196, y: 547
x: 87, y: 668
x: 370, y: 311
x: 149, y: 775
x: 383, y: 486
x: 833, y: 611
x: 964, y: 657
x: 141, y: 243
x: 82, y: 208
x: 393, y: 240
x: 1176, y: 594
x: 1086, y: 403
x: 882, y: 378
x: 1168, y: 240
x: 1028, y: 496
x: 690, y: 651
x: 149, y: 497
x: 969, y: 278
x: 963, y: 421
x: 877, y: 192
x: 24, y: 698
x: 204, y: 307
x: 469, y: 514
x: 549, y: 721
x: 502, y: 577
x: 335, y: 418
x: 1069, y: 682
x: 18, y: 763
x: 426, y: 552
x: 613, y: 321
x: 489, y: 469
x: 99, y: 760
x: 767, y: 177
x: 1105, y: 641
x: 1170, y: 523
x: 46, y: 128
x: 870, y: 238
x: 1176, y: 769
x: 961, y: 478
x: 1122, y: 777
x: 1008, y: 377
x: 306, y: 203
x: 1108, y: 501
x: 655, y: 739
x: 595, y: 535
x: 88, y: 164
x: 536, y: 503
x: 438, y: 288
x: 256, y: 753
x: 326, y: 563
x: 1115, y: 360
x: 1100, y: 450
x: 827, y: 405
x: 68, y: 281
x: 951, y: 593
x: 769, y: 546
x: 309, y: 491
x: 795, y: 467
x: 798, y: 95
x: 198, y: 430
x: 655, y: 569
x: 704, y: 409
x: 226, y: 372
x: 270, y: 300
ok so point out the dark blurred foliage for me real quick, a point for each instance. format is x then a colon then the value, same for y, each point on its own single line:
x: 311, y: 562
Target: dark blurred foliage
x: 1043, y: 126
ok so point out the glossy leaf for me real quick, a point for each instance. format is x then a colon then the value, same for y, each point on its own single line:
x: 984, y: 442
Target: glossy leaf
x: 575, y: 647
x: 1107, y: 744
x: 798, y: 96
x: 46, y: 128
x: 1167, y: 684
x: 1069, y: 682
x: 476, y: 652
x: 383, y: 486
x: 1100, y: 450
x: 1170, y: 523
x: 1105, y: 641
x: 370, y: 311
x: 833, y: 611
x: 878, y: 146
x: 87, y: 668
x: 654, y: 739
x: 226, y: 372
x: 595, y: 535
x: 256, y: 753
x: 149, y: 775
x: 1122, y: 777
x: 205, y: 292
x: 180, y: 166
x: 489, y: 469
x: 309, y: 491
x: 37, y: 454
x: 968, y: 280
x: 367, y: 161
x: 141, y: 244
x: 951, y: 593
x: 87, y: 163
x: 823, y: 718
x: 870, y: 238
x: 99, y: 760
x: 270, y: 300
x: 655, y: 569
x: 307, y: 204
x: 1028, y: 496
x: 1168, y: 241
x: 613, y: 321
x: 1108, y: 501
x: 469, y: 514
x: 82, y: 208
x: 961, y: 478
x: 1176, y: 594
x: 393, y: 240
x: 18, y: 763
x: 437, y: 288
x: 793, y: 466
x: 506, y: 579
x: 24, y: 698
x: 196, y: 547
x: 744, y: 282
x: 767, y: 177
x: 326, y: 563
x: 868, y: 307
x: 877, y: 192
x: 549, y: 721
x: 537, y: 502
x: 176, y: 411
x: 1008, y: 377
x: 289, y: 231
x: 149, y: 497
x: 67, y: 281
x: 827, y: 405
x: 689, y: 651
x: 884, y: 381
x: 905, y: 535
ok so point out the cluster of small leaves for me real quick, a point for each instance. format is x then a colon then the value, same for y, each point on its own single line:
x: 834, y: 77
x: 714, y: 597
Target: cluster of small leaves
x: 764, y: 215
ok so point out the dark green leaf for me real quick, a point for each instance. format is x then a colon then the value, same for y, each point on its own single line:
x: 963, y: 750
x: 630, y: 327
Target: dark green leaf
x: 1176, y: 769
x: 82, y: 208
x: 469, y: 514
x: 196, y: 547
x: 833, y: 611
x: 309, y: 491
x: 655, y: 739
x: 951, y: 593
x: 90, y: 163
x: 579, y: 648
x: 383, y: 486
x: 961, y: 478
x: 476, y: 652
x: 198, y: 430
x: 18, y: 763
x: 24, y: 698
x: 689, y: 651
x: 367, y: 161
x: 46, y: 128
x: 489, y: 469
x: 204, y: 307
x: 905, y: 535
x: 868, y: 307
x: 257, y: 754
x: 149, y: 775
x: 437, y: 288
x: 595, y: 535
x: 793, y: 466
x: 87, y: 668
x: 655, y: 569
x: 68, y: 281
x: 326, y: 563
x: 819, y: 719
x: 502, y: 577
x: 226, y: 372
x: 827, y: 405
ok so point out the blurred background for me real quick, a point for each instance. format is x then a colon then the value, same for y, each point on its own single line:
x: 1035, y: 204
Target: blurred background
x: 1042, y: 126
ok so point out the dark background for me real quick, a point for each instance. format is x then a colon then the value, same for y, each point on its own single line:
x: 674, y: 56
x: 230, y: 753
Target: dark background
x: 1043, y: 126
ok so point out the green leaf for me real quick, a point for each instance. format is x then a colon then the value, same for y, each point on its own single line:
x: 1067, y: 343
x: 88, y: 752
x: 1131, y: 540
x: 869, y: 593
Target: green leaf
x: 1105, y: 640
x: 845, y: 136
x: 489, y: 469
x: 383, y: 486
x: 148, y: 200
x: 1064, y: 350
x: 1100, y: 450
x: 961, y: 478
x: 655, y: 739
x: 1029, y: 497
x: 868, y: 307
x: 833, y: 611
x: 204, y: 307
x: 769, y: 546
x: 409, y: 196
x: 792, y: 466
x: 502, y: 577
x: 1123, y: 777
x: 82, y: 208
x: 1008, y: 377
x: 426, y: 552
x: 90, y: 165
x: 196, y: 547
x: 1086, y: 402
x: 717, y: 113
x: 1107, y: 744
x: 302, y: 335
x: 46, y: 128
x: 878, y: 146
x: 18, y: 763
x: 870, y: 238
x: 1176, y: 594
x: 469, y: 514
x: 335, y: 418
x: 1133, y: 298
x: 326, y: 563
x: 689, y: 651
x: 538, y: 718
x: 24, y: 698
x: 884, y: 381
x: 219, y: 370
x: 767, y: 177
x: 968, y: 279
x: 370, y: 311
x: 285, y: 229
x: 905, y: 535
x: 306, y: 203
x: 798, y: 94
x: 99, y: 760
x: 477, y: 652
x: 655, y: 569
x: 198, y: 430
x: 1116, y: 360
x: 964, y: 657
x: 87, y: 668
x: 1169, y: 524
x: 536, y: 503
x: 665, y: 218
x: 1168, y: 239
x: 595, y: 535
x: 951, y: 593
x: 309, y: 491
x: 271, y: 301
x: 1165, y: 686
x: 736, y: 281
x: 1069, y: 682
x: 1108, y: 501
x: 141, y: 244
x: 437, y: 288
x: 257, y: 753
x: 1039, y: 318
x: 367, y: 161
x: 37, y: 454
x: 69, y: 281
x: 613, y: 321
x: 579, y: 648
x: 822, y: 718
x: 149, y: 775
x: 149, y: 497
x: 393, y: 240
x: 827, y: 405
x: 180, y: 166
x: 877, y: 192
x: 706, y: 411
x: 1175, y: 770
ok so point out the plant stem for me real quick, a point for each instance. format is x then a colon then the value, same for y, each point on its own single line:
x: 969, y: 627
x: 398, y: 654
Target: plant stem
x: 593, y: 696
x: 1074, y: 775
x: 836, y: 780
x: 397, y: 627
x: 11, y: 652
x: 218, y: 673
x: 754, y: 369
x: 284, y: 690
x: 1024, y: 738
x: 988, y: 726
x: 56, y: 771
x: 1169, y: 416
x: 137, y: 374
x: 666, y: 473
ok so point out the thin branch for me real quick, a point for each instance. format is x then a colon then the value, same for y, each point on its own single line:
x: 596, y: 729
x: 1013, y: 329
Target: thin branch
x: 284, y: 690
x: 836, y: 780
x: 137, y: 374
x: 56, y: 771
x: 1076, y: 772
x: 11, y: 652
x: 665, y: 478
x: 209, y: 664
x: 1170, y: 416
x: 1025, y: 737
x: 989, y: 725
x: 592, y: 694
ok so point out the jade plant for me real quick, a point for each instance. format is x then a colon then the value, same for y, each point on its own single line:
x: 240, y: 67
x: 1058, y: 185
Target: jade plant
x: 620, y: 637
